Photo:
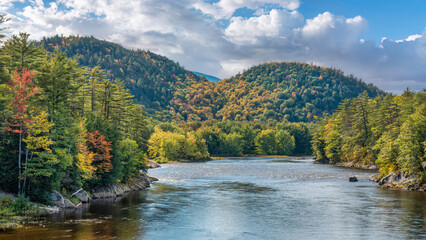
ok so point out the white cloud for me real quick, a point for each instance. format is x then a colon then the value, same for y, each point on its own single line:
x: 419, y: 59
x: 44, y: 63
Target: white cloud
x: 226, y: 8
x: 187, y: 31
x: 276, y: 23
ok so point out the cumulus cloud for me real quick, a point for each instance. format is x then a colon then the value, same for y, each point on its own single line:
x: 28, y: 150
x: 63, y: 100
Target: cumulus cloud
x: 207, y: 37
x: 226, y: 8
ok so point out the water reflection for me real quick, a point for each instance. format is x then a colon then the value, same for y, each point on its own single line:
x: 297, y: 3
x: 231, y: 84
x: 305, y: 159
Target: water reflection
x: 245, y: 199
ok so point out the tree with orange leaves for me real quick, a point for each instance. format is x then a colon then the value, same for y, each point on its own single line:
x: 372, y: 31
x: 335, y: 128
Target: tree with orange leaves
x: 21, y: 88
x: 101, y: 150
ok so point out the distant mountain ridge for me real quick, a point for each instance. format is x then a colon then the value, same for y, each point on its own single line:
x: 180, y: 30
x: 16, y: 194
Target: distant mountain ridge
x: 208, y: 77
x: 268, y: 92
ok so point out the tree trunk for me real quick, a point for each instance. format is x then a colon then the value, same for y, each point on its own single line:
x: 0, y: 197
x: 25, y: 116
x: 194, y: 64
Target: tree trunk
x: 25, y: 176
x: 19, y: 158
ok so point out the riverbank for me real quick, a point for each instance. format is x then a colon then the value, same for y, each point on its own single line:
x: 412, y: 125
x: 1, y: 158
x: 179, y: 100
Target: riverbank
x: 141, y: 182
x: 394, y: 181
x: 16, y: 211
x: 401, y: 181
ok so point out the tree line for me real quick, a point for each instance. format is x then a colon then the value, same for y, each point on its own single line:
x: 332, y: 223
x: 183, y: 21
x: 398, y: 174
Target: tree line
x: 198, y: 141
x: 64, y: 126
x: 387, y: 131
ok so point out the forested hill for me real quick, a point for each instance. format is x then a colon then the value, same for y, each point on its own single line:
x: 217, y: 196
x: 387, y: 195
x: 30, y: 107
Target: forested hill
x: 273, y: 91
x: 268, y: 92
x: 152, y: 78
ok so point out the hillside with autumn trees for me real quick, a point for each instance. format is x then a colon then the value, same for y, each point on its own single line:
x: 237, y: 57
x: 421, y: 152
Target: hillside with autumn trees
x: 294, y: 92
x: 152, y: 79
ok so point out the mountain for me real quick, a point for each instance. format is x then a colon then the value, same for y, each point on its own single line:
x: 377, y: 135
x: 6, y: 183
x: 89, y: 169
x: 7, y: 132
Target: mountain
x: 295, y: 92
x: 208, y: 77
x: 273, y: 91
x: 151, y: 78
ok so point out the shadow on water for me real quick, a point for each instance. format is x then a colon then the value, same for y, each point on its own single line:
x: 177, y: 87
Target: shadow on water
x: 239, y: 186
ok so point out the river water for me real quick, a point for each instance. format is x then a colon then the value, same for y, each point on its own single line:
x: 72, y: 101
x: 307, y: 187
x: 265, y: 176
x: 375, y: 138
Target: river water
x: 245, y: 198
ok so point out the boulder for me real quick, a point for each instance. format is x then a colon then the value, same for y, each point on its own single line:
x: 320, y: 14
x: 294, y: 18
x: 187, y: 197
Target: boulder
x: 374, y: 178
x: 83, y: 196
x: 57, y: 199
x: 68, y: 204
x: 152, y: 164
x: 115, y: 190
x: 353, y: 179
x: 402, y: 181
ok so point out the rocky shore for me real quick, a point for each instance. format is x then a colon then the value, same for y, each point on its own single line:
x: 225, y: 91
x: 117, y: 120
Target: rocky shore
x: 115, y: 190
x: 402, y: 181
x: 357, y: 165
x: 353, y: 164
x: 141, y: 182
x: 397, y: 181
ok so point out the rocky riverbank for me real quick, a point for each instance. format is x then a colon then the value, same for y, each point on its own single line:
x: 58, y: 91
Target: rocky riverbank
x: 357, y: 165
x: 353, y: 164
x: 402, y: 181
x: 115, y: 190
x: 397, y: 181
x: 141, y: 182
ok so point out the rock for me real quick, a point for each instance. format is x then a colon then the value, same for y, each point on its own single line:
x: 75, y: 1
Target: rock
x: 83, y: 196
x: 402, y: 181
x: 57, y: 199
x: 116, y: 190
x: 152, y: 164
x: 374, y: 178
x: 68, y: 204
x: 353, y: 179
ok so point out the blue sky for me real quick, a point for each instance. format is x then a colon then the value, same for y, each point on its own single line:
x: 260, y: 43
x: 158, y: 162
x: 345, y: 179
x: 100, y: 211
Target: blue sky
x: 381, y: 41
x: 395, y: 19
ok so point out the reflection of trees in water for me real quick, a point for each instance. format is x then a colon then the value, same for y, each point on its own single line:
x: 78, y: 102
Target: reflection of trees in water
x: 102, y: 219
x: 403, y: 212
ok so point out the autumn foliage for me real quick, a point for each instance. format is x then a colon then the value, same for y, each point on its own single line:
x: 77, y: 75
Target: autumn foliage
x: 22, y: 88
x: 101, y: 150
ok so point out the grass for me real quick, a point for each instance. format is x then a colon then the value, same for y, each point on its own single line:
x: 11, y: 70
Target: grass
x: 14, y: 211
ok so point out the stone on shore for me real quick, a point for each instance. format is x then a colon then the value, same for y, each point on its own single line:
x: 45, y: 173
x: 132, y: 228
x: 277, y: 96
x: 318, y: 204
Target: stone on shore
x: 83, y: 196
x: 402, y: 181
x: 57, y: 199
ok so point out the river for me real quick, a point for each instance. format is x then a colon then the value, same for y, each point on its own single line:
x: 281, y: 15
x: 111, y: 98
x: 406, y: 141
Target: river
x: 245, y: 198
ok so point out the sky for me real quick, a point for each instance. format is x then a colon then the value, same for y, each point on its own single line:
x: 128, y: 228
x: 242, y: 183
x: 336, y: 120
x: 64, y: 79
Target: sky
x: 382, y: 41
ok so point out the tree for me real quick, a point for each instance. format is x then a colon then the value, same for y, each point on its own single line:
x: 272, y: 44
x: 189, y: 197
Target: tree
x: 4, y: 76
x: 22, y: 89
x: 55, y: 78
x: 285, y: 143
x: 265, y: 142
x: 21, y: 53
x: 101, y: 150
x: 133, y: 159
x: 37, y: 143
x: 84, y: 156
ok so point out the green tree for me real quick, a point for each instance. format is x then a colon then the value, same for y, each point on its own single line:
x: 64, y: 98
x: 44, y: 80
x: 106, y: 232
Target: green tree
x: 285, y: 143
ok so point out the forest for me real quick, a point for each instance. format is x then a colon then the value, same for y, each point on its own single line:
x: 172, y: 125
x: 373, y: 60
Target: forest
x: 387, y: 131
x: 270, y: 92
x: 62, y: 126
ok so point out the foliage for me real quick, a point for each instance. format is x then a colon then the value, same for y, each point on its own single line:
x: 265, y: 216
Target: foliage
x: 295, y: 92
x: 167, y: 146
x: 388, y: 131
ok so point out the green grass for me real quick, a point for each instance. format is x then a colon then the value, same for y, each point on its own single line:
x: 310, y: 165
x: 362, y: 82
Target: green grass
x: 14, y: 211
